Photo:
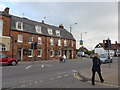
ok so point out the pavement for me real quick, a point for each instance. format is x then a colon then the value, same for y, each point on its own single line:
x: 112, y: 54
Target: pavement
x: 109, y: 73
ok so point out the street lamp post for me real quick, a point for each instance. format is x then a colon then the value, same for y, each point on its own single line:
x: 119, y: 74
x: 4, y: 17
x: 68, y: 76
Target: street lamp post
x: 71, y: 26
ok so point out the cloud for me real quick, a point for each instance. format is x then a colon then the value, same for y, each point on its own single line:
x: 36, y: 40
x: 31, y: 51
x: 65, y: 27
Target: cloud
x: 2, y: 7
x: 99, y: 20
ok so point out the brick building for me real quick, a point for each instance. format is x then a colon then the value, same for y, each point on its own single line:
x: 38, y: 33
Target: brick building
x: 18, y: 33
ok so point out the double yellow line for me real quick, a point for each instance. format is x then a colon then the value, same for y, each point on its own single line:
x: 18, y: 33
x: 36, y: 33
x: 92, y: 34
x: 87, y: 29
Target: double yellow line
x: 77, y: 77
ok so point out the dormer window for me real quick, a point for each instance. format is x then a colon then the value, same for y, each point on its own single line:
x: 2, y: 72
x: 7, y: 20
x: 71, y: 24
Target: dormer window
x: 19, y: 25
x: 50, y: 31
x: 38, y: 29
x: 57, y: 32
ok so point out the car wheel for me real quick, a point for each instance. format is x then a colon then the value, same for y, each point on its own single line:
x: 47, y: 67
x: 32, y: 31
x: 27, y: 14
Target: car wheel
x: 13, y: 63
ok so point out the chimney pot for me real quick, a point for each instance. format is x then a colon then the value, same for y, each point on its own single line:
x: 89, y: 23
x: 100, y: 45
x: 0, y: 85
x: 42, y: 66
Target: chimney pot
x: 61, y: 26
x: 42, y: 22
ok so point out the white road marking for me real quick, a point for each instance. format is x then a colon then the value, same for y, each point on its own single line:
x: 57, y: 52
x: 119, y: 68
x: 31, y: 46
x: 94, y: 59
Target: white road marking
x: 30, y: 83
x: 74, y: 71
x: 28, y: 67
x: 22, y: 85
x: 59, y: 73
x: 35, y: 82
x: 51, y: 78
x: 41, y: 81
x: 66, y: 75
x: 49, y: 65
x: 59, y: 76
x: 42, y: 66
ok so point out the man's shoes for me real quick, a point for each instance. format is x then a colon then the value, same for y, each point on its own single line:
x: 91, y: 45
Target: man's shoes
x: 102, y: 81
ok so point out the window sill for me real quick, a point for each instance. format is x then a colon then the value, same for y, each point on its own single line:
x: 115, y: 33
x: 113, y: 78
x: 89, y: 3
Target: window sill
x: 30, y: 56
x: 20, y: 42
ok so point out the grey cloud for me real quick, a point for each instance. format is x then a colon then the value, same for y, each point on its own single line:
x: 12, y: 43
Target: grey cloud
x: 94, y: 17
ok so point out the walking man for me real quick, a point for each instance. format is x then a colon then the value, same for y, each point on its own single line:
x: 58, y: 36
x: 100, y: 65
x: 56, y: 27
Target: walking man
x: 96, y: 68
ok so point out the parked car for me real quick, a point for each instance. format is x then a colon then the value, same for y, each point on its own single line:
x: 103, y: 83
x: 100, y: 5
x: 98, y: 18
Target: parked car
x: 104, y: 59
x: 4, y: 60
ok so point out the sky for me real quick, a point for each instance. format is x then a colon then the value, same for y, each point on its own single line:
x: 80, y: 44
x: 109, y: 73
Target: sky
x: 98, y: 19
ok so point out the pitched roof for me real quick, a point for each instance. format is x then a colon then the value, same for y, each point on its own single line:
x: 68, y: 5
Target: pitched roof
x: 113, y: 46
x: 29, y: 27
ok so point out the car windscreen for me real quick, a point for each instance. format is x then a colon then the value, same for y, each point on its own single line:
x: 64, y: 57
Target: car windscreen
x: 102, y: 56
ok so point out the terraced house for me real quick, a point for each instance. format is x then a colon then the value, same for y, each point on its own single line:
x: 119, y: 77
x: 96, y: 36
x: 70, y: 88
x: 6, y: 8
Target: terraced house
x: 18, y: 33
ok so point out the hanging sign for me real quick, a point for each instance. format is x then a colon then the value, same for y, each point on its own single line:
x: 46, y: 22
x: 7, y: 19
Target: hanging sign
x: 81, y: 42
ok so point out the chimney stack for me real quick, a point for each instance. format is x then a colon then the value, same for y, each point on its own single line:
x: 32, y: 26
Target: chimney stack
x: 6, y: 10
x: 103, y: 41
x: 42, y: 22
x: 61, y: 26
x: 115, y: 42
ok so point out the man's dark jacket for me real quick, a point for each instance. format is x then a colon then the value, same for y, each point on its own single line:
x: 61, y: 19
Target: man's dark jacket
x: 96, y: 64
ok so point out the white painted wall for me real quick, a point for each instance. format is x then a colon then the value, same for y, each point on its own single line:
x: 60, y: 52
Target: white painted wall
x: 1, y: 27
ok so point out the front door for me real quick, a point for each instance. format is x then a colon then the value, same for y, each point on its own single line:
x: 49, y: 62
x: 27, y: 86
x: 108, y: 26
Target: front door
x: 19, y: 54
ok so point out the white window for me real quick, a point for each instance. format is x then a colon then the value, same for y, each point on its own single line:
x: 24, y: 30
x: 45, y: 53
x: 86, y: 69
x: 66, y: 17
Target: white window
x: 2, y: 47
x: 59, y: 53
x: 1, y: 27
x: 39, y: 40
x: 65, y: 42
x: 59, y: 42
x: 51, y: 41
x: 39, y: 53
x: 30, y: 39
x: 19, y: 25
x: 20, y: 38
x: 30, y: 52
x: 50, y: 31
x: 51, y: 53
x: 57, y: 32
x: 38, y: 29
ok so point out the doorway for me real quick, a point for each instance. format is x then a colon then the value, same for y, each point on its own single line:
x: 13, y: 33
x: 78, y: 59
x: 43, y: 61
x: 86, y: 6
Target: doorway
x: 19, y: 56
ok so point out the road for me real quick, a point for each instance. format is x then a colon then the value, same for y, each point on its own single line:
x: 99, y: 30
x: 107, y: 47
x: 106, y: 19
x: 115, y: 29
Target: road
x: 52, y: 74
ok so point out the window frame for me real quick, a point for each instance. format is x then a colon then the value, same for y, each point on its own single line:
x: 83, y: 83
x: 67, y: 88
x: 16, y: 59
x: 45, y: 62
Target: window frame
x: 21, y: 25
x: 50, y: 31
x: 31, y: 53
x: 41, y: 52
x: 59, y: 42
x: 29, y: 39
x: 40, y: 39
x: 2, y: 47
x: 52, y: 41
x: 53, y: 53
x: 57, y: 32
x: 65, y: 42
x: 38, y: 29
x: 59, y: 55
x: 20, y: 41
